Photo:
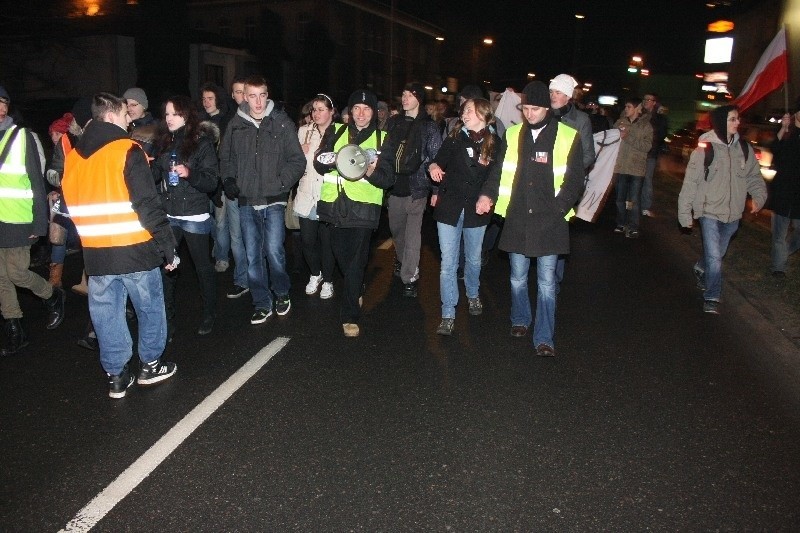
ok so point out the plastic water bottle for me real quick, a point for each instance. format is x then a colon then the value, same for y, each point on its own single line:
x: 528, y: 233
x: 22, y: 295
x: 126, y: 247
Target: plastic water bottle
x: 172, y: 177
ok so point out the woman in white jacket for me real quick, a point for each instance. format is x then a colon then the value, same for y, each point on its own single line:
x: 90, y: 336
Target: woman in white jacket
x: 314, y: 234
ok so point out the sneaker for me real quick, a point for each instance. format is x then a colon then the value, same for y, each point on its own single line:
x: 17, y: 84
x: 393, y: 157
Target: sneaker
x: 619, y: 229
x: 446, y: 326
x: 313, y: 284
x: 327, y: 290
x: 237, y: 291
x: 89, y: 343
x: 633, y: 234
x: 544, y: 350
x: 415, y: 277
x: 351, y: 330
x: 475, y: 306
x: 397, y: 266
x: 648, y: 213
x: 260, y: 316
x: 780, y: 274
x: 206, y: 325
x: 155, y: 372
x: 221, y: 266
x: 283, y: 304
x: 700, y: 276
x: 711, y: 307
x: 118, y: 385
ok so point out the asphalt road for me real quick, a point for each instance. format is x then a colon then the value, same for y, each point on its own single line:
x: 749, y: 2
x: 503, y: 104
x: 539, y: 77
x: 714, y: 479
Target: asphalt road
x: 652, y: 416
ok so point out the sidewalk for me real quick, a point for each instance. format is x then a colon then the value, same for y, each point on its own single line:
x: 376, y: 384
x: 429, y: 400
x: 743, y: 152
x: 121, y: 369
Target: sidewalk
x: 746, y: 267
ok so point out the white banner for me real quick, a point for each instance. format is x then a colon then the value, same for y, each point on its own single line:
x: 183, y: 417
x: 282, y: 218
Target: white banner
x: 606, y: 147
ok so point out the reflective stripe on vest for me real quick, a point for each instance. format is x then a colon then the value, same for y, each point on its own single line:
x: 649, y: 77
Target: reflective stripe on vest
x: 358, y: 191
x: 98, y: 198
x: 16, y: 194
x: 564, y: 139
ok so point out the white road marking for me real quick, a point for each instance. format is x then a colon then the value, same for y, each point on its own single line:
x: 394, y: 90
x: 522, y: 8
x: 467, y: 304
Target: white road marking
x: 96, y: 509
x: 385, y: 245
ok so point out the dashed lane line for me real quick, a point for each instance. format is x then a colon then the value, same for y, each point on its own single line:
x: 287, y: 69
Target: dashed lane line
x: 96, y: 509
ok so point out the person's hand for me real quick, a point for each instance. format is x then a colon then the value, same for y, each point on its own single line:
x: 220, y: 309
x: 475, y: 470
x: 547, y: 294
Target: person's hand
x: 786, y: 120
x: 371, y: 168
x: 231, y: 188
x: 434, y: 199
x: 755, y: 209
x: 686, y: 230
x: 53, y: 196
x: 182, y: 170
x: 436, y: 172
x: 306, y: 147
x: 483, y: 205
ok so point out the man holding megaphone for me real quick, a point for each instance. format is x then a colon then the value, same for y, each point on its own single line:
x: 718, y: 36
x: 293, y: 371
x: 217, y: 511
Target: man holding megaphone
x: 349, y: 203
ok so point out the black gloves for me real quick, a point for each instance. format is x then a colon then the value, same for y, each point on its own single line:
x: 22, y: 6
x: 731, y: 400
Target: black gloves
x: 231, y: 188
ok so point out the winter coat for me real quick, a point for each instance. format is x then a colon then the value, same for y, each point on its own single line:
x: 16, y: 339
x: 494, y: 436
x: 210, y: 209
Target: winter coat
x: 730, y: 178
x: 785, y: 188
x: 660, y: 127
x: 144, y: 131
x: 465, y: 180
x: 190, y: 195
x: 634, y: 147
x: 17, y: 235
x: 345, y: 212
x: 266, y: 160
x: 431, y: 139
x: 145, y: 202
x: 311, y: 183
x: 580, y: 121
x: 535, y: 225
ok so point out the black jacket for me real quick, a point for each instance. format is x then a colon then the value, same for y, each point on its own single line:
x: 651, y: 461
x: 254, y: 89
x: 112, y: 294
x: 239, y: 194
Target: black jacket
x: 785, y: 187
x: 190, y: 196
x: 464, y: 181
x: 266, y: 160
x: 430, y: 139
x: 345, y: 212
x: 145, y: 201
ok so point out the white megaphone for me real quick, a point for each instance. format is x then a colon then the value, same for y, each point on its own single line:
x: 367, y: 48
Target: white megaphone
x: 352, y: 161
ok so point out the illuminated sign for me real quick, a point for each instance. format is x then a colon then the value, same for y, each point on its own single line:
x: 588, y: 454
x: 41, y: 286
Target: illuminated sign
x: 718, y: 50
x: 715, y: 77
x: 720, y: 26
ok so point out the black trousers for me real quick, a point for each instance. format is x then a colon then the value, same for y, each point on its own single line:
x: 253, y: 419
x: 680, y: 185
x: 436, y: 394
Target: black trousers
x: 351, y: 250
x: 317, y: 252
x: 199, y: 249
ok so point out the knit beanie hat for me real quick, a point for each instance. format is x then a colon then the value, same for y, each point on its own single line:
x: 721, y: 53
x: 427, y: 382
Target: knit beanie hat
x: 537, y: 94
x: 418, y: 90
x: 4, y: 95
x: 136, y: 94
x: 61, y: 125
x: 564, y: 83
x: 82, y: 111
x: 364, y: 97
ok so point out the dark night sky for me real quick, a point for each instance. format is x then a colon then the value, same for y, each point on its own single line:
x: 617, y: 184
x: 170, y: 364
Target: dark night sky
x: 540, y: 36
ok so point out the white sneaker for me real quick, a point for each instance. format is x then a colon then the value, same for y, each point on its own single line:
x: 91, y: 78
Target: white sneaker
x: 648, y: 213
x: 313, y: 284
x: 415, y: 277
x: 327, y: 290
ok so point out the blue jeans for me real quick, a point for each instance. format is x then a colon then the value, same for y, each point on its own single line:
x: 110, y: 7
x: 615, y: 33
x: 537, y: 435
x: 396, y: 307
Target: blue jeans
x: 647, y: 184
x: 449, y: 244
x: 107, y: 300
x: 781, y: 250
x: 228, y: 238
x: 716, y: 237
x: 628, y: 192
x: 546, y: 285
x: 263, y: 232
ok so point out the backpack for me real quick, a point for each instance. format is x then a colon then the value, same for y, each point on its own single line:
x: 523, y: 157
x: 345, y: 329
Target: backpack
x: 408, y: 156
x: 708, y: 156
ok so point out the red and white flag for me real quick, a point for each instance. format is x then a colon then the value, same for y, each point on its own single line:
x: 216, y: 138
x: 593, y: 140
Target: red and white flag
x: 770, y: 72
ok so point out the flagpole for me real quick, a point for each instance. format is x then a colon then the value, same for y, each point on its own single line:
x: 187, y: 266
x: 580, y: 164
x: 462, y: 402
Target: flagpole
x: 786, y: 81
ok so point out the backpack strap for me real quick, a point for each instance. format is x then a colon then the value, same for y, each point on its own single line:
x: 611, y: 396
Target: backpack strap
x: 708, y: 158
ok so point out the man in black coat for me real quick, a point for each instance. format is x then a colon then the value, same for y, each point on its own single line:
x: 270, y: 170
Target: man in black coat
x: 785, y: 197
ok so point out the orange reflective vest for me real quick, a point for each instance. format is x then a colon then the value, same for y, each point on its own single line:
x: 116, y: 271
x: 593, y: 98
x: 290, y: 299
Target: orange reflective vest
x: 66, y: 144
x: 98, y: 198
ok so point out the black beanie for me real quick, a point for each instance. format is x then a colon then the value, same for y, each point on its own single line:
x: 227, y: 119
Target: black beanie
x: 362, y: 96
x: 536, y: 93
x: 418, y: 90
x: 719, y: 121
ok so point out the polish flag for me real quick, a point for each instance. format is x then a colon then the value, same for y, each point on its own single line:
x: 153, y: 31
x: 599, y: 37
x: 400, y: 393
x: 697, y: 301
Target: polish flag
x: 770, y: 72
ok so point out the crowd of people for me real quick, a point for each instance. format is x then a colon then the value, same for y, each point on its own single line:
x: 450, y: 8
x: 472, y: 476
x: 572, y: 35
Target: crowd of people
x: 227, y: 175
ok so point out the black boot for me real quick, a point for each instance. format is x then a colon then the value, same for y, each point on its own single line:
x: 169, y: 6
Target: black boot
x: 55, y: 305
x: 15, y: 337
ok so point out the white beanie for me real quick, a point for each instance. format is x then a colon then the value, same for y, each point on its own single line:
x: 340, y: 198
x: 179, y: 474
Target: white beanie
x: 564, y: 83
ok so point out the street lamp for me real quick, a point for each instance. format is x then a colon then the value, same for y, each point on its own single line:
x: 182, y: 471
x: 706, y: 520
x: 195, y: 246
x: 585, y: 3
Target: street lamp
x: 579, y: 18
x: 487, y: 41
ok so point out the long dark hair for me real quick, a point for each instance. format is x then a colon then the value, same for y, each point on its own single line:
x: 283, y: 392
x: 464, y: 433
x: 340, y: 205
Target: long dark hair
x: 184, y: 107
x: 484, y: 110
